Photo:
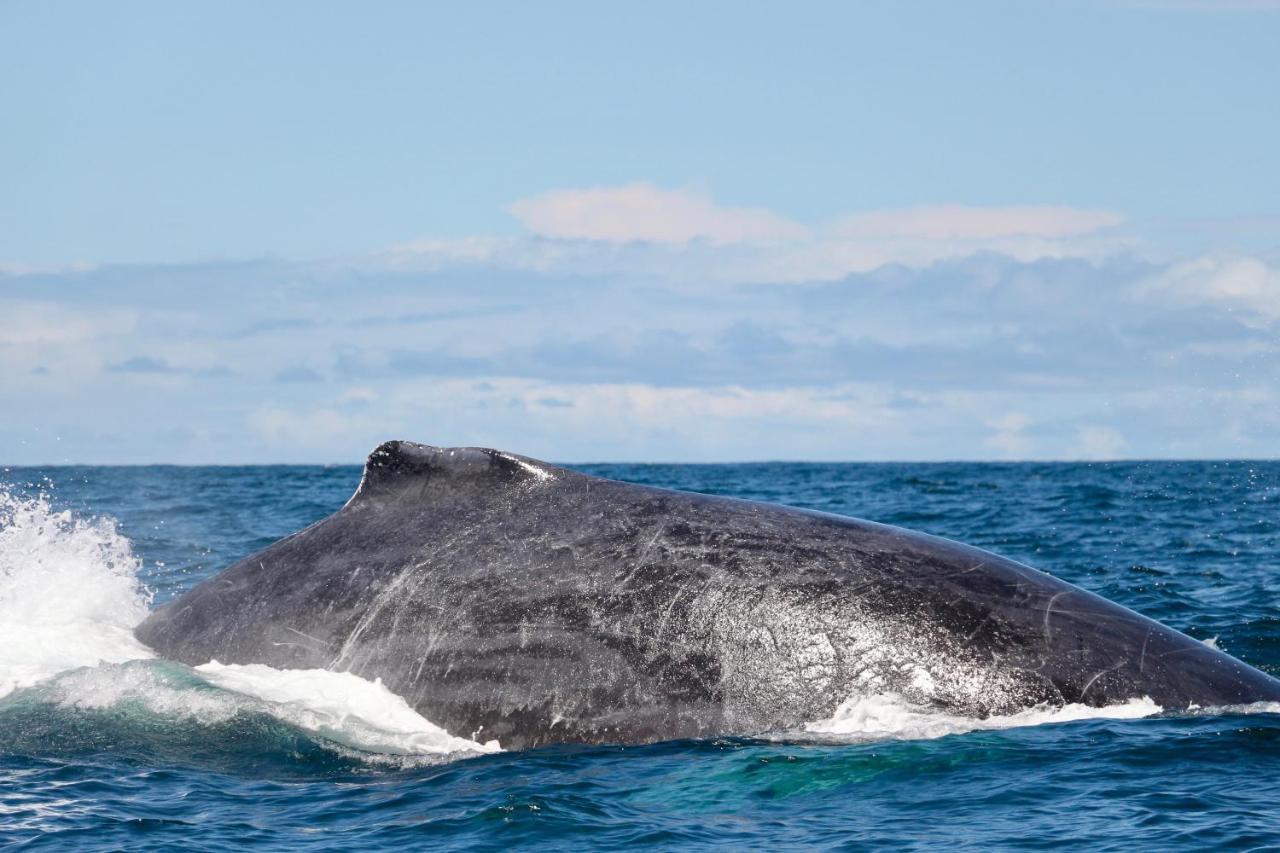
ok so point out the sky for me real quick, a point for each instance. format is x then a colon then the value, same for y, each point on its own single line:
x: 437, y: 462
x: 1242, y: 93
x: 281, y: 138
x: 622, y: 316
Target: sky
x: 251, y: 233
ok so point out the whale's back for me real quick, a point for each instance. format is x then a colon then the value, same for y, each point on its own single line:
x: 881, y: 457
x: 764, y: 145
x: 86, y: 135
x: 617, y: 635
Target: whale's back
x: 540, y: 604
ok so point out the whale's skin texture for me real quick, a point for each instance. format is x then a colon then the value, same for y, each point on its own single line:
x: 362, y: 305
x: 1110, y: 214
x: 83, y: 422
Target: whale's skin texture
x: 506, y: 598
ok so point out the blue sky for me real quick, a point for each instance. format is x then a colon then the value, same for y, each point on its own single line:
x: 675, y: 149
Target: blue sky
x: 244, y: 232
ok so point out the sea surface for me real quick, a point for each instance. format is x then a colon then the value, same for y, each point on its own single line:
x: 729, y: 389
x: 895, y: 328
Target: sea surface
x: 103, y: 747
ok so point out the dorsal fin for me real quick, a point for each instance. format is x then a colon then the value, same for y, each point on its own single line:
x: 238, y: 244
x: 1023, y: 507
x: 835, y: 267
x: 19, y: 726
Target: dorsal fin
x: 395, y: 464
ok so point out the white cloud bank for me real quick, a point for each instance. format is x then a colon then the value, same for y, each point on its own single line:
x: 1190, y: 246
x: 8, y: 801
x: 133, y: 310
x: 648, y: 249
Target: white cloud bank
x: 644, y: 323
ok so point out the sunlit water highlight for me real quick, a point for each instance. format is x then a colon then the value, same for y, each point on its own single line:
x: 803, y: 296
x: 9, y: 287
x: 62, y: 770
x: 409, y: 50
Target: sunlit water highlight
x: 103, y: 745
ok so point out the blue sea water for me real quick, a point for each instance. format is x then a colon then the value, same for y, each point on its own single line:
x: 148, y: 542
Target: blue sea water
x: 129, y: 755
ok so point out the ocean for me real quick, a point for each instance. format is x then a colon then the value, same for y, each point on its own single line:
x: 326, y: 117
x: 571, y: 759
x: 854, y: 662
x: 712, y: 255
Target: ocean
x: 104, y: 747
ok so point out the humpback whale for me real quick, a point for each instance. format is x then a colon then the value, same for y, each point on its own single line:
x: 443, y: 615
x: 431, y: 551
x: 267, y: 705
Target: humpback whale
x: 536, y: 604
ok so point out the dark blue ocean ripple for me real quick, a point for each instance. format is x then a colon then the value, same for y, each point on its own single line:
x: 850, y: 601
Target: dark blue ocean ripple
x: 1194, y: 544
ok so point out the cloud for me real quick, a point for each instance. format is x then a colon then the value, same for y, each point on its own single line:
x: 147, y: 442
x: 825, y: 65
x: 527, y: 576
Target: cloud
x: 298, y: 374
x: 644, y: 213
x: 272, y: 325
x: 961, y: 222
x: 216, y: 372
x: 981, y: 322
x: 23, y: 269
x: 1009, y: 438
x: 1210, y: 5
x: 142, y: 364
x: 637, y: 421
x: 146, y: 364
x: 633, y: 420
x: 321, y: 429
x: 937, y: 332
x: 357, y: 398
x: 1098, y: 442
x: 426, y: 317
x: 1246, y: 286
x: 921, y: 236
x: 28, y: 323
x: 646, y: 231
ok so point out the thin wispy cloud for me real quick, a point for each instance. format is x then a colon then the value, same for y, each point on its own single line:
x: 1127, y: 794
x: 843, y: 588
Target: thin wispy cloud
x: 643, y: 213
x: 142, y: 364
x: 964, y: 222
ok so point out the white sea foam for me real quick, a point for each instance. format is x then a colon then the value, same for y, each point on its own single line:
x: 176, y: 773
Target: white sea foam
x: 147, y: 685
x: 339, y: 707
x: 69, y: 601
x: 1248, y: 708
x: 886, y: 716
x: 342, y: 707
x: 69, y: 593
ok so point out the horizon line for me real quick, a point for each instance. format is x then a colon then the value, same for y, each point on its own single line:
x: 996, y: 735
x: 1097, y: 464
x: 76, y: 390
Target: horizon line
x: 5, y: 467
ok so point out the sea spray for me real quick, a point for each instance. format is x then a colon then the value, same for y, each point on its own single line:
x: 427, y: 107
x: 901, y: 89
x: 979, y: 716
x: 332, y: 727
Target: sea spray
x: 69, y: 592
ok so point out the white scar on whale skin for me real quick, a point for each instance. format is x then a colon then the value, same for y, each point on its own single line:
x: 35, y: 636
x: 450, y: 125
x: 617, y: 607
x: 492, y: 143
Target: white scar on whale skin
x: 532, y: 469
x: 345, y: 656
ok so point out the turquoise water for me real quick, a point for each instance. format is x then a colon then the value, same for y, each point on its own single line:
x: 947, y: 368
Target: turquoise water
x: 128, y: 755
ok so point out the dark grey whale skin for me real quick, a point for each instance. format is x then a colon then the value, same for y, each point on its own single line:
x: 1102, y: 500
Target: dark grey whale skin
x: 507, y: 598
